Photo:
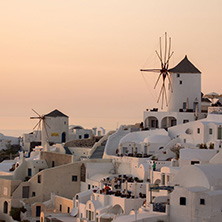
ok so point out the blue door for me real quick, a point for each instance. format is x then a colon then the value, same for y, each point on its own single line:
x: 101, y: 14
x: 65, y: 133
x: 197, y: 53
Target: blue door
x: 38, y: 211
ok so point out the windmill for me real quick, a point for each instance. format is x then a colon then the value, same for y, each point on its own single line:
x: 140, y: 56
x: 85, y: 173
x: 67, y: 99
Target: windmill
x: 43, y: 125
x: 164, y: 58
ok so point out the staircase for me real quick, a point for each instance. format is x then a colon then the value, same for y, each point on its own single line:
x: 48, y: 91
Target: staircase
x: 98, y: 153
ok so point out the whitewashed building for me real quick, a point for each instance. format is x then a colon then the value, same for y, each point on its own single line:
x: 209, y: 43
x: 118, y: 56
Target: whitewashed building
x: 184, y: 105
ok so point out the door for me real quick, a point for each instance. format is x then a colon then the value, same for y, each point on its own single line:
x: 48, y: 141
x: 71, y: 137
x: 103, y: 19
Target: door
x: 63, y: 137
x: 38, y: 211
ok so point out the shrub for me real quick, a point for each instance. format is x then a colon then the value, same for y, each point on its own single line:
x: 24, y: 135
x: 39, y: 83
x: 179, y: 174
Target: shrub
x: 211, y: 146
x: 15, y: 212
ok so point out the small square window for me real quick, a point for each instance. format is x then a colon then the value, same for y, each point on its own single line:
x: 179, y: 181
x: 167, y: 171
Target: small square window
x: 210, y: 131
x: 202, y: 201
x: 74, y: 178
x: 183, y: 201
x: 181, y: 82
x: 178, y: 75
x: 198, y: 130
x: 33, y: 194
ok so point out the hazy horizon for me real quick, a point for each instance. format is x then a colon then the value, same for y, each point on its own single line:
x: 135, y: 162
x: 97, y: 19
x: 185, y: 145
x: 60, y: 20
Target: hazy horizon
x: 83, y: 57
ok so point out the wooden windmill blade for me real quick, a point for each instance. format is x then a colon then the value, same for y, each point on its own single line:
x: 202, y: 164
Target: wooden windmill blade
x: 150, y: 70
x: 37, y: 125
x: 163, y: 72
x: 36, y: 112
x: 42, y: 122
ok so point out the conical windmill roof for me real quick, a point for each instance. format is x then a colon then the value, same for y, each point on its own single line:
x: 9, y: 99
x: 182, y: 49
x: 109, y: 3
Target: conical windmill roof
x: 185, y: 66
x: 56, y: 113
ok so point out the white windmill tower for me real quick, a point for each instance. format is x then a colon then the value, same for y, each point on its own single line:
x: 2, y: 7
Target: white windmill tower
x: 43, y: 125
x: 186, y: 83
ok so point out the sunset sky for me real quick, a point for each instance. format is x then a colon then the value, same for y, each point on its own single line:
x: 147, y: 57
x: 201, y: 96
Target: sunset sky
x: 83, y: 57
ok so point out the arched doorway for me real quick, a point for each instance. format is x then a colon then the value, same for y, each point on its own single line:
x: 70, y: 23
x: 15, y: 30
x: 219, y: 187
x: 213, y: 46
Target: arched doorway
x: 157, y: 182
x: 168, y: 121
x: 151, y: 122
x: 117, y: 209
x: 63, y: 137
x: 5, y: 210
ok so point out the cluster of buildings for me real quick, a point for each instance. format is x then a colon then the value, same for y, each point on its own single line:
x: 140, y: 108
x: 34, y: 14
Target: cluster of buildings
x: 167, y: 169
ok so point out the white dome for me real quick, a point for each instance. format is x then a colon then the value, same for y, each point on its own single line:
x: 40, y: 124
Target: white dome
x: 157, y: 139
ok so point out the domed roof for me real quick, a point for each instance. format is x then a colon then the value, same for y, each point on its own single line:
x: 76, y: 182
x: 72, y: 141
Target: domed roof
x: 157, y: 139
x: 209, y: 175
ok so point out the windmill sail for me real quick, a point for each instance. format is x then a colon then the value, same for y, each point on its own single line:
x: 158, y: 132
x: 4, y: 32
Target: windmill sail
x: 43, y: 125
x: 163, y: 71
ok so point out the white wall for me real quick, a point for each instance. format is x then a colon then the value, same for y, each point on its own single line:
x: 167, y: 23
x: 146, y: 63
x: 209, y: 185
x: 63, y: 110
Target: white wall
x: 180, y: 93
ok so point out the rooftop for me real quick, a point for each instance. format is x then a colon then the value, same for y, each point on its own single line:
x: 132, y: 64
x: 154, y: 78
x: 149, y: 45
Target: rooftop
x: 185, y: 66
x: 56, y: 113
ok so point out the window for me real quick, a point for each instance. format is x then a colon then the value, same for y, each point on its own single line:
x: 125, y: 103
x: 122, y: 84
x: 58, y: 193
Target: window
x: 29, y: 172
x: 74, y: 178
x: 86, y: 136
x: 68, y: 210
x: 88, y: 186
x: 185, y: 121
x: 60, y: 208
x: 210, y: 131
x: 184, y: 140
x: 198, y: 130
x: 184, y: 105
x: 202, y: 201
x: 33, y: 194
x: 219, y: 133
x: 181, y: 82
x: 53, y: 163
x: 39, y: 178
x: 178, y: 75
x: 183, y: 201
x: 25, y: 192
x: 80, y: 137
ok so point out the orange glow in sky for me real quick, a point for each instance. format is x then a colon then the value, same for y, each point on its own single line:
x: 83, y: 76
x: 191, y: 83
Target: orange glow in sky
x: 83, y: 57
